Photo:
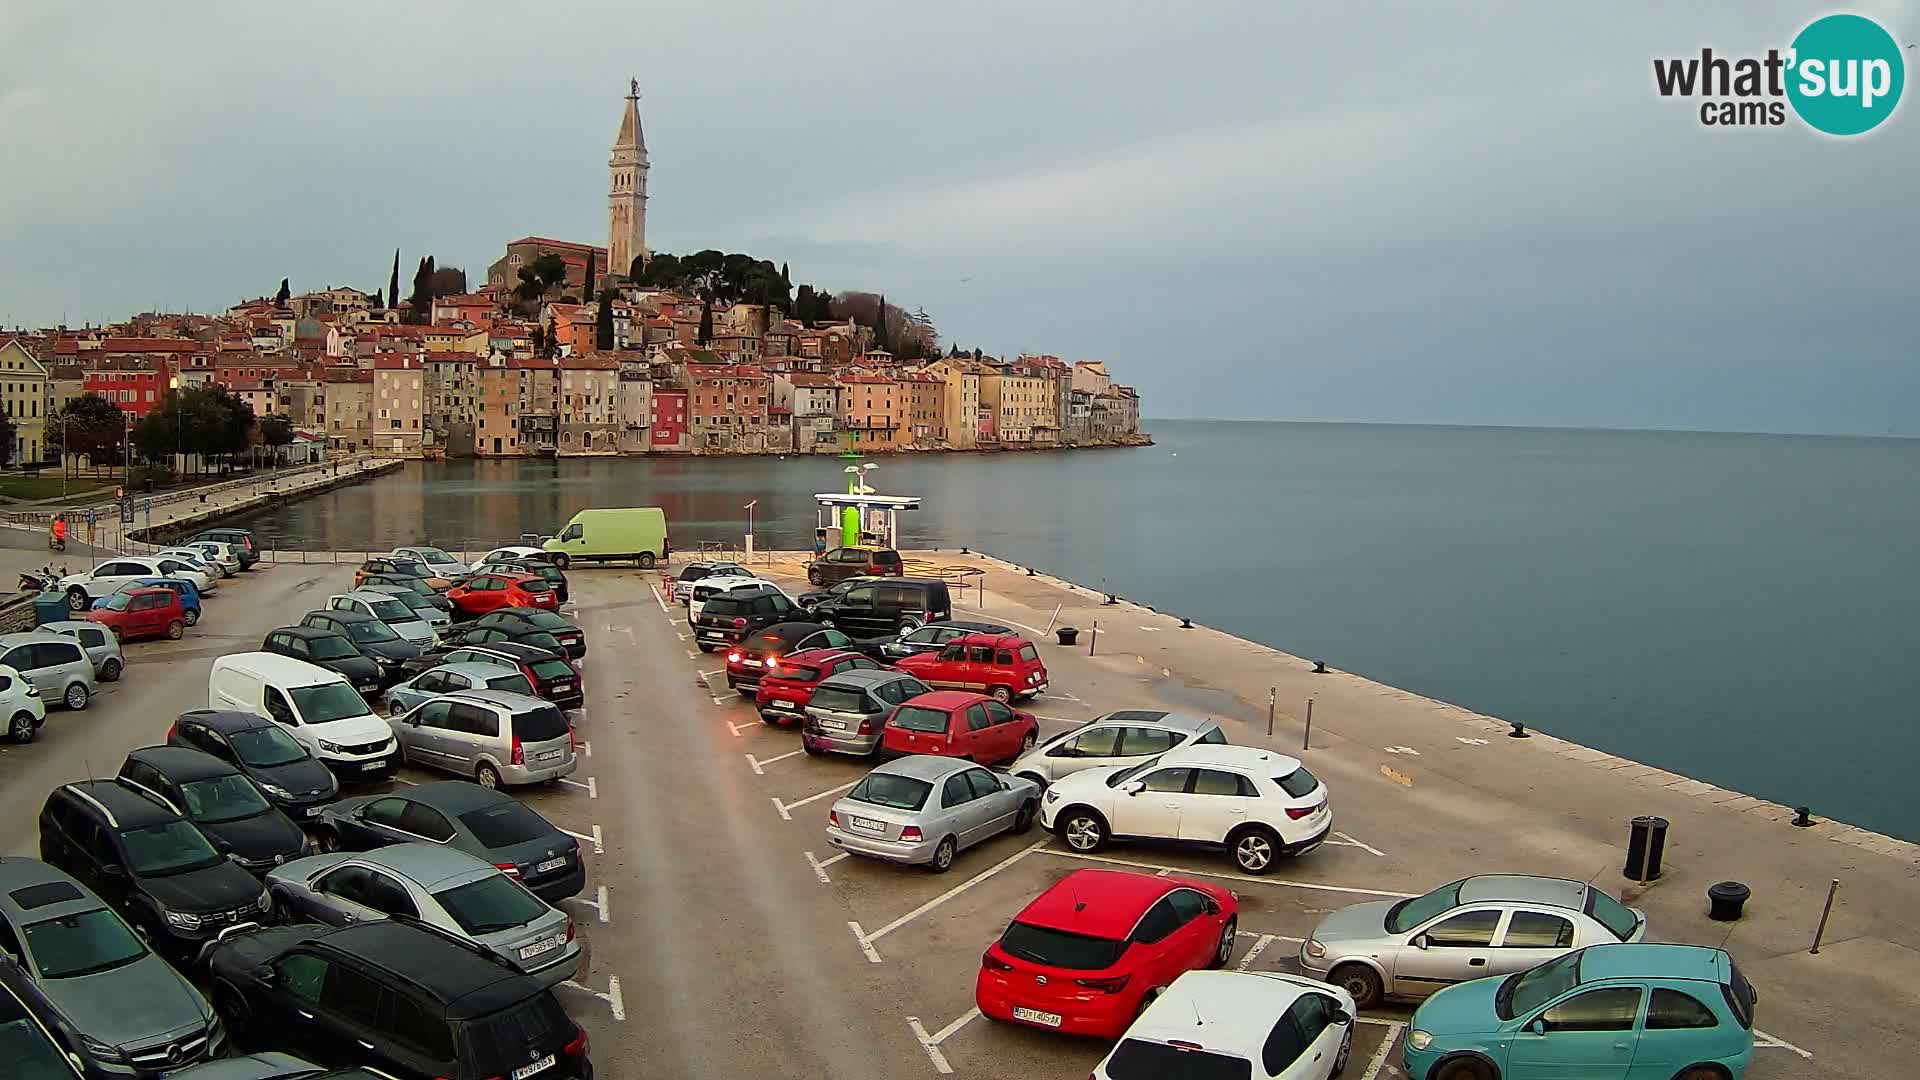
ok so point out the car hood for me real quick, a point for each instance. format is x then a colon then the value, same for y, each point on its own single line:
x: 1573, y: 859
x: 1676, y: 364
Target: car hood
x: 1352, y: 925
x: 352, y: 731
x: 261, y: 836
x: 357, y: 669
x: 392, y: 650
x: 252, y: 1067
x: 412, y: 629
x: 137, y: 1003
x: 1093, y: 780
x: 299, y: 778
x: 1462, y: 1009
x: 220, y: 887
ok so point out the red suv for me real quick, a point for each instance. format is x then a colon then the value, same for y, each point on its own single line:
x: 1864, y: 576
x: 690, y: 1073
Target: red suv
x: 950, y: 723
x: 1083, y: 956
x: 141, y: 613
x: 786, y: 684
x: 490, y: 592
x: 1005, y: 666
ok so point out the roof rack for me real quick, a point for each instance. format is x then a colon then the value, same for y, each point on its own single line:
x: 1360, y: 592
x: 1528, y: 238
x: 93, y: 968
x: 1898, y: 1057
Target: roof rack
x: 95, y: 803
x: 164, y: 801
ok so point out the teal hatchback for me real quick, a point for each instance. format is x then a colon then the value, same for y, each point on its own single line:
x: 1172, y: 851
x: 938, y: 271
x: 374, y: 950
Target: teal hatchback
x: 1609, y: 1012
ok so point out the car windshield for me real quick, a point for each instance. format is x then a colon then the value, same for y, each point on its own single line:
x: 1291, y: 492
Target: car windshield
x: 1298, y: 783
x: 82, y: 944
x: 327, y: 702
x: 552, y: 669
x: 411, y: 568
x: 435, y: 555
x: 27, y: 1052
x: 839, y: 699
x: 1527, y: 991
x: 372, y: 630
x: 497, y: 1044
x: 544, y: 620
x: 1612, y: 914
x: 170, y: 848
x: 801, y: 672
x: 1131, y: 771
x: 415, y: 601
x: 391, y: 610
x: 1408, y: 914
x: 511, y: 684
x: 505, y: 825
x: 266, y: 747
x: 919, y: 718
x: 539, y: 639
x: 894, y: 792
x: 116, y: 602
x: 543, y: 724
x: 331, y: 647
x: 1138, y: 1059
x: 1059, y: 948
x: 728, y: 606
x: 490, y: 904
x: 223, y: 798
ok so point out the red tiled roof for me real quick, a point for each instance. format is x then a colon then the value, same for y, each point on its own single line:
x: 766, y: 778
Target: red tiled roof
x: 396, y: 363
x: 557, y: 245
x: 589, y: 362
x: 159, y: 345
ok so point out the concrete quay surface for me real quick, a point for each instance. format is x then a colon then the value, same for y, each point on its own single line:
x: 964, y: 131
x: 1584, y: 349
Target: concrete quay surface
x: 726, y: 939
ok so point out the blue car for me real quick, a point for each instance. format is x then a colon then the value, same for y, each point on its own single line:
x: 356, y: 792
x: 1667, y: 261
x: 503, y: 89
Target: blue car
x: 189, y: 595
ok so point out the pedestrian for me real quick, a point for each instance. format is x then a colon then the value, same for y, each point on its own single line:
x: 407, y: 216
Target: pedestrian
x: 819, y: 542
x: 59, y: 532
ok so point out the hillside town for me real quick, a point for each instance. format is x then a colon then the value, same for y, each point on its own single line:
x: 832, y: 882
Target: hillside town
x: 568, y: 350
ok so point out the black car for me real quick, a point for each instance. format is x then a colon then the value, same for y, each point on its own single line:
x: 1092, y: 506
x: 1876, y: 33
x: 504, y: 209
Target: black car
x: 241, y: 539
x: 749, y: 660
x: 273, y: 1065
x: 483, y: 822
x: 285, y: 772
x: 29, y: 1046
x: 375, y: 640
x: 221, y: 801
x: 539, y: 568
x: 886, y: 606
x: 552, y: 676
x: 731, y: 617
x: 414, y: 585
x: 324, y: 648
x: 928, y: 638
x: 409, y: 1000
x: 515, y: 632
x: 149, y: 862
x: 568, y: 635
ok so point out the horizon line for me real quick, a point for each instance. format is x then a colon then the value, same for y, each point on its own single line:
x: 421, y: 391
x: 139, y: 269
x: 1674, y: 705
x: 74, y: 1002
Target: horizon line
x: 1622, y: 429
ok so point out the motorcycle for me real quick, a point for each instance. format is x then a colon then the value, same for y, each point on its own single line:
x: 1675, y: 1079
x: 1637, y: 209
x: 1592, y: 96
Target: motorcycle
x: 56, y: 543
x: 47, y: 580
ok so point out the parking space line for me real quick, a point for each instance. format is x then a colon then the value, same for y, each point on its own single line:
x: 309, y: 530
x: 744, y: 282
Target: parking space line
x: 599, y: 905
x: 661, y: 600
x: 1763, y: 1041
x: 612, y: 997
x: 1380, y: 1053
x: 1254, y: 953
x: 867, y: 940
x: 860, y: 936
x: 1060, y: 720
x: 783, y: 807
x: 591, y: 787
x: 758, y: 765
x: 820, y: 865
x: 928, y: 1044
x: 599, y: 846
x: 586, y: 746
x: 1348, y: 841
x: 409, y: 783
x: 705, y: 675
x: 750, y: 725
x: 691, y: 655
x: 1247, y: 879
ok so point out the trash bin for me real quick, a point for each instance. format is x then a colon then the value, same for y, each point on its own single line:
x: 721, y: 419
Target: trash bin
x: 1067, y: 634
x: 1725, y: 900
x: 1646, y: 843
x: 50, y: 607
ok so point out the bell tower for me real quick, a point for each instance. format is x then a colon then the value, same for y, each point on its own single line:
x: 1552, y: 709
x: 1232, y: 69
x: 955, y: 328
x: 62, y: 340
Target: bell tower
x: 627, y: 189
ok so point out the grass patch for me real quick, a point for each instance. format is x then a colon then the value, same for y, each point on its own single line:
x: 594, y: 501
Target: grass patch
x: 47, y: 485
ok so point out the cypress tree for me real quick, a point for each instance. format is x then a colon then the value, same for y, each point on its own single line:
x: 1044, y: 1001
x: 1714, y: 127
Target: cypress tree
x: 603, y: 324
x: 280, y: 298
x: 393, y: 282
x: 588, y: 289
x: 880, y: 324
x: 706, y: 322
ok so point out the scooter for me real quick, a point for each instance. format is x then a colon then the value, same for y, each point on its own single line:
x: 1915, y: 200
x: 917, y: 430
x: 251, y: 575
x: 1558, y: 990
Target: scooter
x: 55, y: 543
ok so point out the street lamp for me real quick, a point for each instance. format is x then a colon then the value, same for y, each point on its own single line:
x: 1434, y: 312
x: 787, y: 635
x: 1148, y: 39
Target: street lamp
x: 865, y: 471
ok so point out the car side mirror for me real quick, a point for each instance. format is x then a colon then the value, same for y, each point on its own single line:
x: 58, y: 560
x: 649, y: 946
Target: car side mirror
x: 1421, y: 941
x: 1135, y: 787
x: 1339, y: 1016
x: 1538, y: 1026
x: 113, y: 870
x: 1004, y: 786
x: 1214, y: 909
x: 265, y: 975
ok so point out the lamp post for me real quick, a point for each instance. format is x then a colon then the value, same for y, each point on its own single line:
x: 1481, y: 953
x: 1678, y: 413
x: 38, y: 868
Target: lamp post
x: 749, y: 509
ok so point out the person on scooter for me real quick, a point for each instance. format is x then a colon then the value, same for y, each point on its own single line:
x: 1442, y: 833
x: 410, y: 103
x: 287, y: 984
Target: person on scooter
x: 59, y: 533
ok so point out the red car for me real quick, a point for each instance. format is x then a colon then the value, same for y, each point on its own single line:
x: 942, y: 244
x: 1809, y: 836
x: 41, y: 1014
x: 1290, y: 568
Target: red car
x: 141, y: 613
x: 786, y: 685
x: 1084, y: 955
x: 950, y: 723
x: 490, y: 592
x: 1006, y: 666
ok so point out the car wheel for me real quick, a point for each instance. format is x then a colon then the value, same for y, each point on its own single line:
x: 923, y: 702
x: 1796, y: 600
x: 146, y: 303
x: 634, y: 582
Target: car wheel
x: 487, y: 777
x: 1256, y: 850
x: 812, y: 750
x: 231, y: 1006
x: 646, y: 560
x: 560, y: 560
x: 1223, y: 952
x: 1464, y: 1068
x: 110, y: 671
x: 77, y: 599
x: 908, y: 626
x: 22, y: 727
x: 747, y: 691
x: 1084, y: 830
x: 77, y: 696
x: 1701, y: 1072
x: 326, y: 839
x: 1360, y: 982
x: 769, y: 719
x: 396, y: 710
x: 192, y: 616
x: 1026, y: 743
x: 176, y: 630
x: 1023, y: 821
x: 1033, y: 778
x: 813, y: 578
x: 1002, y: 694
x: 1346, y: 1051
x: 943, y: 856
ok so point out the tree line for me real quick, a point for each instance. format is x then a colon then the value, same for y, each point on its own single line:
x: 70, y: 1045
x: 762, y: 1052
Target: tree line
x: 204, y: 423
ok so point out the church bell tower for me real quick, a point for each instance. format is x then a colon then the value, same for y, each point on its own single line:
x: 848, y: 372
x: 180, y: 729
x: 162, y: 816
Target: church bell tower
x: 627, y: 189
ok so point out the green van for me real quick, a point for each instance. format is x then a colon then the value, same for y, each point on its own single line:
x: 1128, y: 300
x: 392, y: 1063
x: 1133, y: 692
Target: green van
x: 633, y: 532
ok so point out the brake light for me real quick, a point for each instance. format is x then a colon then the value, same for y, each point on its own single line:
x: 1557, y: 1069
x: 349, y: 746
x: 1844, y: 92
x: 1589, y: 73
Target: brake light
x: 1298, y: 812
x: 866, y: 727
x: 507, y: 868
x: 577, y: 1045
x: 739, y: 623
x: 1105, y: 986
x: 994, y: 963
x: 573, y: 740
x: 833, y: 817
x: 569, y: 929
x: 519, y: 753
x: 733, y: 657
x: 911, y: 832
x: 171, y: 728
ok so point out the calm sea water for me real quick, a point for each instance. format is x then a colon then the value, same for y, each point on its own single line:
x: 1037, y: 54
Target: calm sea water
x: 1737, y: 608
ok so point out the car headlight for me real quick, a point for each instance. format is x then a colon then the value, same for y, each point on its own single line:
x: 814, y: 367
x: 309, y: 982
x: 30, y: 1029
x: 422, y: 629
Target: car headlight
x: 276, y: 791
x: 185, y: 920
x: 1314, y: 948
x: 100, y: 1051
x: 1419, y: 1040
x: 331, y: 747
x: 265, y: 902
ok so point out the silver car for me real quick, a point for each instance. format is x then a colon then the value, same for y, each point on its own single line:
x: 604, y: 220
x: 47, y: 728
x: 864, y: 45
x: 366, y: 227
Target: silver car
x: 1466, y: 929
x: 1126, y: 737
x: 223, y: 555
x: 922, y: 810
x: 451, y: 678
x: 494, y: 737
x: 848, y: 712
x: 198, y: 560
x: 423, y: 608
x: 100, y: 644
x: 54, y: 663
x: 443, y: 887
x: 438, y: 562
x: 399, y: 618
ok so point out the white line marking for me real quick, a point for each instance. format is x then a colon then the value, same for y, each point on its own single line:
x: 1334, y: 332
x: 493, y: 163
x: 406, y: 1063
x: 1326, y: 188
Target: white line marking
x: 710, y: 674
x: 1059, y: 719
x: 748, y: 726
x: 1469, y: 742
x: 717, y: 700
x: 1315, y: 886
x: 691, y: 655
x: 605, y: 911
x: 819, y: 869
x: 928, y: 1044
x: 1151, y: 629
x: 950, y: 1030
x: 587, y: 746
x: 783, y: 807
x: 758, y: 763
x: 1065, y: 694
x: 836, y: 858
x: 859, y: 935
x: 682, y: 637
x: 953, y: 892
x: 1348, y: 841
x: 409, y: 783
x: 1401, y: 750
x: 599, y: 905
x: 1254, y: 953
x: 1276, y: 937
x: 614, y: 999
x: 1762, y: 1040
x: 591, y: 787
x: 658, y: 599
x: 1380, y: 1054
x: 599, y: 847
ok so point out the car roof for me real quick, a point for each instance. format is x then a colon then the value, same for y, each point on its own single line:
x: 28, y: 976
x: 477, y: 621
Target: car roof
x: 996, y: 640
x: 511, y: 648
x: 788, y: 631
x: 344, y: 615
x: 971, y: 625
x: 1173, y: 721
x: 69, y: 624
x: 474, y: 668
x: 1635, y: 960
x: 34, y: 890
x: 1525, y: 888
x: 947, y: 699
x: 468, y: 982
x: 287, y: 670
x: 818, y: 655
x: 427, y: 864
x: 1097, y: 903
x: 504, y: 699
x: 181, y: 764
x: 146, y: 590
x: 1252, y: 758
x: 304, y: 632
x: 226, y: 721
x: 362, y: 594
x: 453, y: 796
x: 37, y: 634
x: 1224, y: 1011
x: 925, y: 767
x: 730, y: 581
x: 130, y: 807
x: 515, y: 577
x: 864, y: 677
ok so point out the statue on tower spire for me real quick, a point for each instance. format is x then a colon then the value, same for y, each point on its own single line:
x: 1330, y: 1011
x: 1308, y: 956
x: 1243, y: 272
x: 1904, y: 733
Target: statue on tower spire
x: 633, y: 88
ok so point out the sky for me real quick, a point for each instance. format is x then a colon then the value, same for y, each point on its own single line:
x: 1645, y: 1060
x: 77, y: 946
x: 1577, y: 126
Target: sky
x: 1469, y: 213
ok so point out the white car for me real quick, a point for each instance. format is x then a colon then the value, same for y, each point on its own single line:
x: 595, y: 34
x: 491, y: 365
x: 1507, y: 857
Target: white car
x: 1256, y: 804
x: 1126, y: 737
x: 21, y: 706
x: 437, y: 562
x: 512, y: 552
x: 1238, y: 1023
x: 708, y: 587
x: 84, y: 588
x: 399, y: 618
x: 198, y: 560
x: 223, y: 555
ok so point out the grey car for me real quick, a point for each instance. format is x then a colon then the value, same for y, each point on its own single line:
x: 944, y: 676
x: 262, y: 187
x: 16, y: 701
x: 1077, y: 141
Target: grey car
x: 390, y: 610
x: 54, y: 663
x: 848, y: 712
x: 93, y: 981
x: 1468, y: 929
x: 423, y: 607
x: 99, y: 643
x: 443, y: 887
x: 448, y: 678
x: 923, y: 810
x: 498, y: 738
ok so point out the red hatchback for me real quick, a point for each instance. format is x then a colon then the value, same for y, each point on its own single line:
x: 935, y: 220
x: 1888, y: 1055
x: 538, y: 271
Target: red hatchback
x: 490, y: 592
x: 1006, y: 666
x: 1084, y: 955
x: 950, y: 723
x: 141, y: 613
x: 786, y: 685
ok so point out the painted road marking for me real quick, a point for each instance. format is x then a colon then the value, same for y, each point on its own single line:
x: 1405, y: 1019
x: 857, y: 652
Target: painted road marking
x: 931, y: 1043
x: 748, y: 726
x: 612, y: 997
x: 1469, y: 742
x: 1253, y: 954
x: 691, y: 655
x: 1379, y: 1057
x: 1348, y: 841
x: 783, y: 807
x: 866, y: 940
x: 599, y: 846
x: 705, y: 675
x: 591, y: 787
x: 759, y: 765
x: 1764, y: 1041
x: 1401, y: 750
x: 599, y: 905
x: 661, y: 600
x: 1283, y: 882
x: 820, y: 866
x: 587, y: 747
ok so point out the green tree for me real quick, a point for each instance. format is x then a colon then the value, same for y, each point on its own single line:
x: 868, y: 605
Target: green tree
x: 881, y: 338
x: 276, y: 431
x: 6, y: 439
x: 536, y: 278
x: 280, y: 298
x: 587, y: 288
x: 446, y: 281
x: 706, y: 322
x: 393, y: 282
x: 88, y: 425
x: 603, y: 323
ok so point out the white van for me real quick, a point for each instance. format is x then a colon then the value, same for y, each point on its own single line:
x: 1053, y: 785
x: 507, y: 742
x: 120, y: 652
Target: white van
x: 320, y: 709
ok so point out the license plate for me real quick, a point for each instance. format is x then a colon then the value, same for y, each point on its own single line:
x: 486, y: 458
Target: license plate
x: 712, y: 634
x: 749, y: 663
x: 550, y: 864
x: 788, y: 706
x: 833, y: 725
x: 548, y: 755
x: 545, y: 945
x: 372, y: 766
x: 869, y: 824
x: 1035, y: 1016
x: 561, y: 687
x: 525, y: 1071
x: 314, y: 811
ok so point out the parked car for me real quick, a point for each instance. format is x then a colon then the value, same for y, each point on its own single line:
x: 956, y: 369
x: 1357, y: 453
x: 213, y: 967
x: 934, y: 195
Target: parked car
x: 1258, y: 805
x: 70, y: 963
x: 434, y: 615
x: 438, y: 562
x: 928, y: 638
x: 1494, y: 924
x: 555, y: 577
x: 1681, y: 1011
x: 715, y: 584
x: 447, y: 889
x: 99, y: 644
x: 1125, y: 737
x: 787, y: 684
x: 512, y: 552
x: 388, y: 564
x: 197, y: 559
x: 451, y: 678
x: 552, y: 676
x: 846, y: 562
x: 272, y: 1065
x: 482, y: 822
x: 602, y: 535
x: 839, y: 588
x: 848, y: 711
x: 487, y: 592
x: 1085, y: 955
x: 241, y: 539
x: 221, y: 801
x: 520, y: 633
x: 1237, y: 1023
x: 375, y: 639
x: 496, y: 737
x: 22, y: 705
x: 28, y: 1043
x: 189, y: 594
x: 319, y: 708
x: 570, y: 637
x: 954, y: 723
x: 890, y: 606
x: 412, y: 628
x: 395, y: 994
x: 84, y: 588
x: 221, y: 554
x: 736, y: 616
x: 149, y: 862
x: 140, y: 613
x: 53, y: 663
x: 923, y: 811
x: 1004, y: 666
x: 326, y: 649
x: 694, y: 571
x: 286, y: 772
x: 747, y: 661
x: 417, y: 586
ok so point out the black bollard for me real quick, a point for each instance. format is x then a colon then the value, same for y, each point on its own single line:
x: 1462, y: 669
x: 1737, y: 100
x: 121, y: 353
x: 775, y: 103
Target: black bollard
x: 1519, y: 730
x: 1186, y: 623
x: 1067, y: 634
x: 1725, y: 900
x: 1319, y: 667
x: 1803, y: 817
x: 1646, y: 846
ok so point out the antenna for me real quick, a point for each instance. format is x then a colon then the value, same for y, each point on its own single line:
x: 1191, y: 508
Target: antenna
x: 1198, y: 1020
x: 1078, y: 904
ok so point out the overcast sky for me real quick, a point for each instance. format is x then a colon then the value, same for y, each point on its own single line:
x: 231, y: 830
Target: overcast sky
x: 1261, y: 210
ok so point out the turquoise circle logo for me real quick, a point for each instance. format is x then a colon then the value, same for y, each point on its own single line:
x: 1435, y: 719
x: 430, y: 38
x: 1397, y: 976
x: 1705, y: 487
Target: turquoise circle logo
x: 1847, y: 74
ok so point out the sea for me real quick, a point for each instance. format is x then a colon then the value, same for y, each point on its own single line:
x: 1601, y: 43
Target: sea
x: 1743, y: 609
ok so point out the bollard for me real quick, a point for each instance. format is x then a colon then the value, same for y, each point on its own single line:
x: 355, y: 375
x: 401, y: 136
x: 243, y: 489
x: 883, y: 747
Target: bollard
x: 1306, y: 737
x: 1725, y: 900
x: 1519, y: 730
x: 1319, y: 667
x: 1109, y: 601
x: 1029, y: 571
x: 1067, y: 635
x: 1646, y: 843
x: 1821, y: 930
x: 1803, y: 817
x: 1093, y: 638
x: 1186, y: 623
x: 1271, y: 691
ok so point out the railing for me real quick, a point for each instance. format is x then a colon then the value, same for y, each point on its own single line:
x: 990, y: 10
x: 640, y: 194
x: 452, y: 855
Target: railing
x: 199, y: 493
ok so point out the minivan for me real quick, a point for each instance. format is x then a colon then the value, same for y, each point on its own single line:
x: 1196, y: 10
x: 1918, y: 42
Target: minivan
x: 636, y: 532
x: 496, y: 737
x: 729, y: 618
x: 54, y: 663
x: 845, y: 562
x: 319, y: 708
x: 896, y: 605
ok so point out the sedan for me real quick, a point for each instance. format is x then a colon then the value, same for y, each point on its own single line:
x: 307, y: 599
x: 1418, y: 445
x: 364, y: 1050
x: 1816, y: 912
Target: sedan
x: 388, y: 564
x: 223, y: 555
x: 923, y: 810
x: 199, y: 561
x: 487, y: 824
x: 519, y: 633
x: 437, y: 562
x: 1238, y: 1023
x: 450, y: 678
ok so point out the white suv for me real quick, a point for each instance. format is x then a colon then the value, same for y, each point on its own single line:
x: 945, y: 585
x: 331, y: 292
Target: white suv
x: 21, y: 709
x: 1256, y: 804
x: 1234, y: 1023
x: 1126, y: 737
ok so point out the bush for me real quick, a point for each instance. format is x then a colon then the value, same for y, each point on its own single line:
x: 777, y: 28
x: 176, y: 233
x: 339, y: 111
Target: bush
x: 149, y: 476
